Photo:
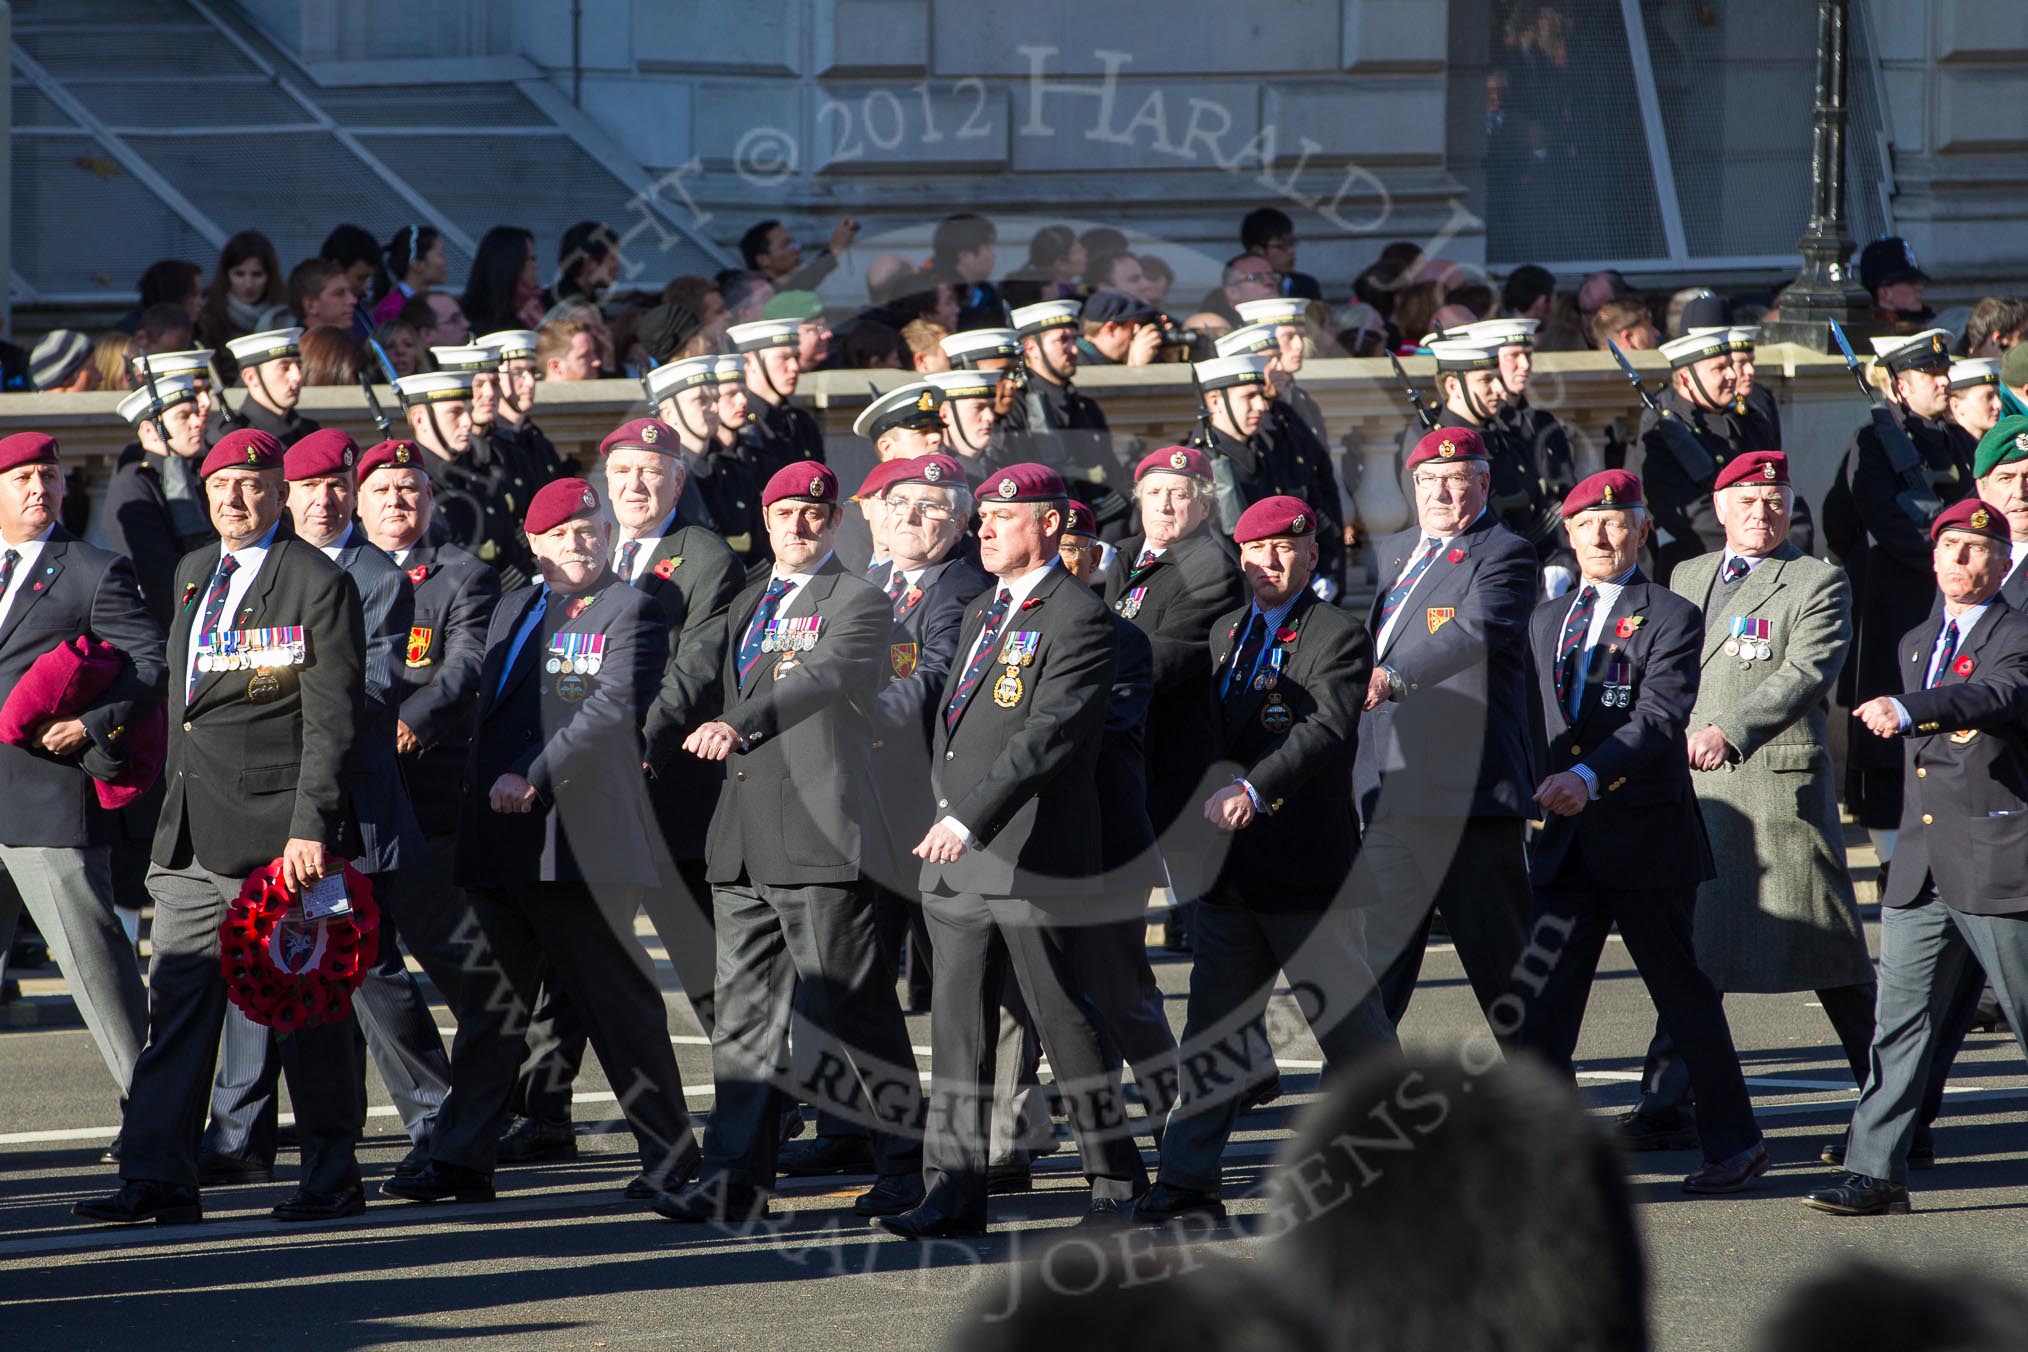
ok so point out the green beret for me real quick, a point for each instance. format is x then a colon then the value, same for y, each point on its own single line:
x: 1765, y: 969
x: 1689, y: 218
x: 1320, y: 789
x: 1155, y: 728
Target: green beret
x: 796, y: 305
x: 2004, y: 443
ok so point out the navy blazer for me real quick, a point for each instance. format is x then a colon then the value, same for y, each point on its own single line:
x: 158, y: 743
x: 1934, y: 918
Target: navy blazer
x: 438, y: 684
x: 1964, y: 814
x: 691, y: 576
x: 1644, y: 830
x: 591, y: 820
x: 1456, y: 743
x: 76, y: 589
x: 390, y: 837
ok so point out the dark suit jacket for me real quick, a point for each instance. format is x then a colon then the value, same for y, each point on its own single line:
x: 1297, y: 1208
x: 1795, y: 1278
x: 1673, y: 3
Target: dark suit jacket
x: 1456, y: 743
x: 245, y: 776
x: 922, y: 642
x: 1188, y: 588
x: 1295, y: 853
x: 1964, y: 814
x: 389, y: 835
x: 76, y: 589
x: 1645, y: 829
x: 139, y: 525
x: 591, y: 819
x: 794, y: 802
x: 691, y: 577
x: 1023, y: 779
x: 1126, y: 833
x: 437, y: 685
x: 251, y: 413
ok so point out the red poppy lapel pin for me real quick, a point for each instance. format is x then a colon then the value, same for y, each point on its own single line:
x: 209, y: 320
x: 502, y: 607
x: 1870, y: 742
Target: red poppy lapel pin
x: 189, y: 595
x: 667, y: 567
x: 1286, y: 634
x: 1456, y: 556
x: 577, y: 607
x: 1628, y: 624
x: 1964, y: 666
x: 419, y: 574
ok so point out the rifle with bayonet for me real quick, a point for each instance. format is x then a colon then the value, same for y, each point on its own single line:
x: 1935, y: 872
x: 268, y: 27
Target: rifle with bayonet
x: 1408, y: 391
x: 1699, y: 466
x: 1918, y: 497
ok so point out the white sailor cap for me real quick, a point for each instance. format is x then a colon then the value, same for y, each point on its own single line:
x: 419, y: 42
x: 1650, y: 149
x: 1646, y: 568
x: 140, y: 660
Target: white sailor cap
x: 256, y: 348
x: 1508, y: 332
x: 1457, y: 354
x: 960, y: 383
x: 1247, y: 338
x: 172, y: 390
x: 1969, y: 371
x: 511, y: 343
x: 1928, y: 349
x: 1698, y: 344
x: 912, y: 405
x: 764, y: 333
x: 674, y: 376
x: 728, y: 368
x: 435, y: 387
x: 1048, y: 314
x: 974, y: 345
x: 1741, y: 337
x: 1243, y: 369
x: 1274, y: 310
x: 470, y: 357
x: 194, y: 361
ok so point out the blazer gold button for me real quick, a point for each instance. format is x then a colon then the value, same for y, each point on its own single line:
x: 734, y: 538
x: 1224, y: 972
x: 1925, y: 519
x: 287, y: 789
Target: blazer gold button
x: 950, y: 755
x: 1576, y: 750
x: 186, y: 727
x: 942, y: 802
x: 1921, y: 774
x: 739, y: 774
x: 879, y: 745
x: 1927, y: 819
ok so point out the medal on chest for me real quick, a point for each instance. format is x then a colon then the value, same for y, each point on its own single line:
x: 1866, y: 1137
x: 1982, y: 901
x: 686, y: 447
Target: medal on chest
x: 1749, y: 639
x: 1130, y: 604
x: 1270, y: 675
x: 1617, y: 690
x: 1016, y: 652
x: 575, y: 655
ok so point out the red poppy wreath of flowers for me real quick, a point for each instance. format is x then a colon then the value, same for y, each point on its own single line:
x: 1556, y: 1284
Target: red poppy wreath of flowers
x: 288, y: 975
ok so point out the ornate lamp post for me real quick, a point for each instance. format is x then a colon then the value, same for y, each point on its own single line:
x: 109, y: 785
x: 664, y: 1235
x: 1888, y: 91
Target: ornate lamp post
x: 1824, y: 288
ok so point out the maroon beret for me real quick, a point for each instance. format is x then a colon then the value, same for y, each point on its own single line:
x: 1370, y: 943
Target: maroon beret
x: 1759, y: 467
x: 557, y: 502
x: 64, y: 683
x: 1607, y: 488
x: 1447, y: 444
x: 1970, y: 514
x: 1078, y: 520
x: 642, y: 434
x: 879, y: 477
x: 26, y: 448
x: 810, y: 480
x: 1272, y: 517
x: 941, y: 471
x: 1175, y: 460
x: 246, y: 448
x: 391, y: 455
x: 1024, y: 483
x: 325, y: 451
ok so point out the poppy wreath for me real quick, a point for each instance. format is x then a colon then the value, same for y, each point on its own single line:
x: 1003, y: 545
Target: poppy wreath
x: 292, y: 974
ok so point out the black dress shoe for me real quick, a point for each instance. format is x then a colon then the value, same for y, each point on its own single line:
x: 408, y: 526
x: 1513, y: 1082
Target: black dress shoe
x: 1165, y: 1202
x: 1107, y: 1213
x: 441, y: 1182
x: 1859, y: 1195
x: 112, y: 1152
x: 890, y: 1195
x: 827, y: 1155
x: 226, y: 1171
x: 413, y: 1163
x: 1729, y: 1175
x: 718, y: 1201
x: 1261, y: 1091
x: 646, y: 1186
x: 322, y: 1206
x: 528, y: 1141
x: 925, y: 1223
x: 1657, y: 1131
x: 141, y: 1200
x: 792, y: 1124
x: 1009, y: 1176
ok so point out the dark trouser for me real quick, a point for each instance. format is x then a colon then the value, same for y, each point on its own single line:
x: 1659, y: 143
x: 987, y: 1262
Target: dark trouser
x: 1953, y: 1026
x: 895, y: 920
x: 681, y: 914
x: 1665, y: 1079
x: 976, y: 939
x: 770, y: 941
x: 1924, y: 952
x: 1239, y: 951
x: 1475, y: 872
x: 585, y: 937
x: 401, y: 1033
x: 186, y: 1009
x: 1655, y: 923
x: 1110, y: 962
